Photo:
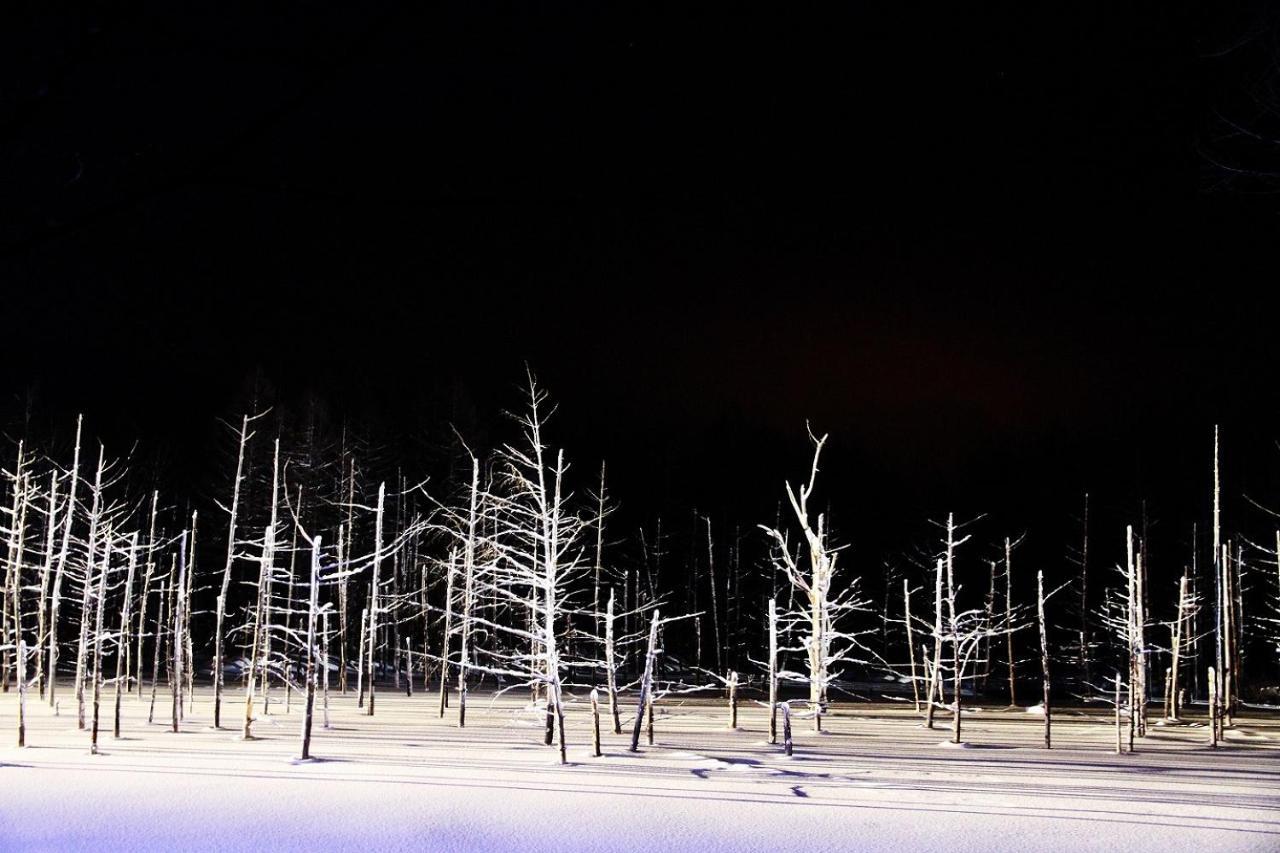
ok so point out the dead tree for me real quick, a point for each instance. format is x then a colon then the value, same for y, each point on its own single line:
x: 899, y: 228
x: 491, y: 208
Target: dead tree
x: 232, y: 517
x: 646, y: 682
x: 179, y: 629
x: 147, y: 575
x: 266, y: 570
x: 611, y: 665
x: 911, y: 648
x: 773, y: 670
x: 817, y: 625
x: 1008, y: 613
x: 732, y: 683
x: 1044, y: 658
x: 122, y: 667
x: 98, y: 608
x: 374, y: 592
x: 450, y: 569
x: 95, y: 516
x: 60, y: 568
x: 935, y: 668
x: 22, y: 693
x: 313, y: 607
x: 468, y: 575
x: 595, y: 722
x: 46, y: 572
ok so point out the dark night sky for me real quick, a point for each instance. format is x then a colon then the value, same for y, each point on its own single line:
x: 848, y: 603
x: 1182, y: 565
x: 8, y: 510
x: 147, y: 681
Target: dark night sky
x: 992, y: 249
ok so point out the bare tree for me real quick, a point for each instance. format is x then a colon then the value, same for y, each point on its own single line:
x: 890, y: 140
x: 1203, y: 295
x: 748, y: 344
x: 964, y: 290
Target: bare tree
x: 825, y: 604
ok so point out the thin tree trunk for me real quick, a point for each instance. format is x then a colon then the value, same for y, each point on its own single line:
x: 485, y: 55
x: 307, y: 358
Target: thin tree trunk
x: 595, y: 722
x: 122, y: 667
x: 60, y: 569
x: 99, y: 606
x: 448, y: 629
x: 162, y: 619
x: 468, y: 569
x: 148, y: 569
x: 313, y: 604
x: 82, y: 651
x: 324, y: 656
x: 46, y: 571
x: 1008, y: 615
x: 374, y: 592
x: 911, y: 649
x: 178, y: 653
x: 611, y: 666
x: 226, y: 576
x: 257, y: 646
x: 646, y: 682
x: 1213, y: 707
x: 22, y: 692
x: 1174, y: 704
x: 1119, y: 729
x: 934, y: 670
x: 1044, y: 658
x: 773, y: 670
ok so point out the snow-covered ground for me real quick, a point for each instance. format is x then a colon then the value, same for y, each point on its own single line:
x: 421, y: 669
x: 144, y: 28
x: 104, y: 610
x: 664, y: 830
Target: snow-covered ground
x: 405, y: 780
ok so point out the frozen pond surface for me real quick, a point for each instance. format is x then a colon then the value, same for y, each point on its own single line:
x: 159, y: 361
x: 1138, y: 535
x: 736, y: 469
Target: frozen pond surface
x: 406, y: 780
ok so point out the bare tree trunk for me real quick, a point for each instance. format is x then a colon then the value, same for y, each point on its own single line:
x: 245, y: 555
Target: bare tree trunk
x: 266, y: 571
x: 122, y: 667
x: 12, y: 591
x: 148, y: 569
x: 715, y: 609
x: 324, y: 656
x: 374, y: 591
x: 1174, y: 703
x: 773, y: 670
x: 1044, y: 658
x: 646, y: 682
x: 935, y: 669
x: 786, y: 727
x: 408, y: 667
x: 22, y: 692
x: 911, y: 649
x: 1084, y: 594
x: 60, y: 569
x: 82, y: 651
x: 468, y: 569
x: 46, y: 571
x: 342, y: 612
x: 595, y: 588
x: 1119, y: 729
x: 226, y: 576
x: 1008, y: 615
x: 958, y: 674
x: 162, y: 619
x: 1214, y: 716
x: 287, y: 668
x: 189, y: 667
x: 1140, y: 626
x: 313, y: 604
x: 649, y: 706
x: 178, y: 654
x: 448, y: 629
x: 611, y: 666
x: 99, y: 606
x: 732, y: 683
x: 595, y: 722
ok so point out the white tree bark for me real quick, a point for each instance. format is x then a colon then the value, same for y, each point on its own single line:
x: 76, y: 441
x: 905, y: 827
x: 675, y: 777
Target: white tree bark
x: 60, y: 567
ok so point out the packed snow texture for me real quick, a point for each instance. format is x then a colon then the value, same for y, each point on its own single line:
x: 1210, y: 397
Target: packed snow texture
x: 407, y: 780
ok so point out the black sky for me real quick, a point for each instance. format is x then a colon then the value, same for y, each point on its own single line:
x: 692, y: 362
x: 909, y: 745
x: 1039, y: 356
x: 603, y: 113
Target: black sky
x: 996, y: 250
